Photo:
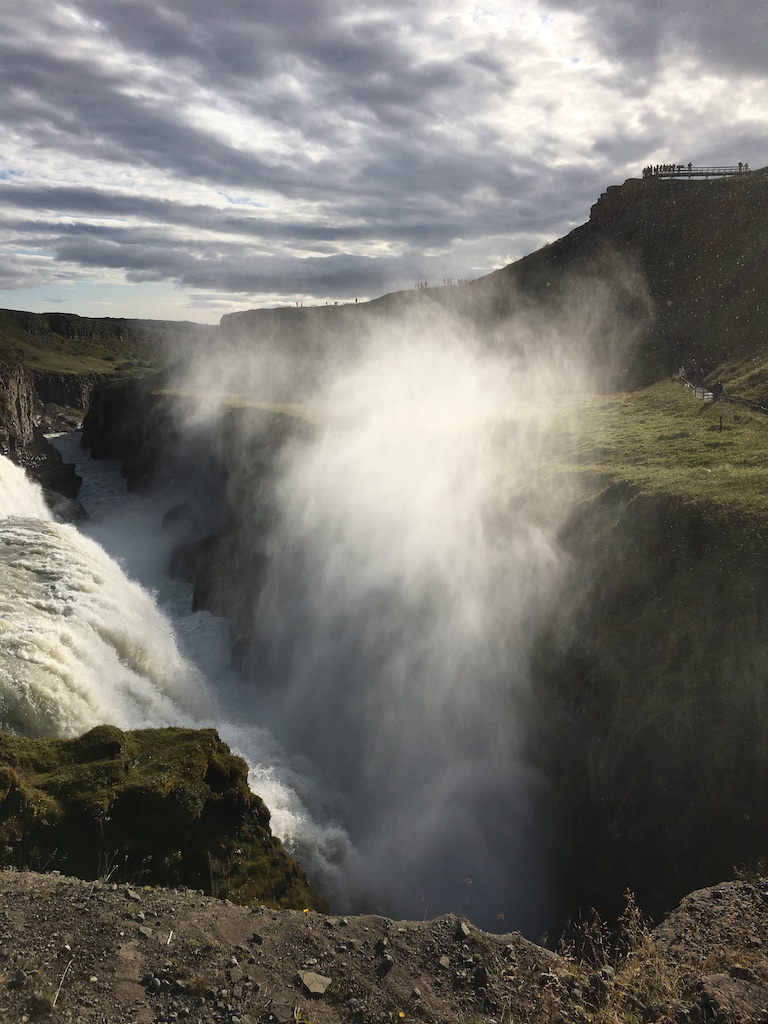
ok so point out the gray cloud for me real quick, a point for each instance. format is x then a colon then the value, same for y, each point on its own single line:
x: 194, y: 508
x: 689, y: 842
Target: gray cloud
x: 726, y: 36
x: 193, y: 143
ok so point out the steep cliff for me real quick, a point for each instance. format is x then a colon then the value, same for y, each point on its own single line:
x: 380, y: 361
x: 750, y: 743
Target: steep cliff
x: 16, y: 404
x: 700, y: 250
x: 23, y: 442
x: 130, y: 420
x: 650, y: 714
x: 69, y: 390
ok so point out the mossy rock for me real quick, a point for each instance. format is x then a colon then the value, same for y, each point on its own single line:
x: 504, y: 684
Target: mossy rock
x: 158, y: 806
x: 100, y: 744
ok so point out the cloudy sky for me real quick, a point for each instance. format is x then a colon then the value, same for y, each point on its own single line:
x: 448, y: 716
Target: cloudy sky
x: 182, y: 158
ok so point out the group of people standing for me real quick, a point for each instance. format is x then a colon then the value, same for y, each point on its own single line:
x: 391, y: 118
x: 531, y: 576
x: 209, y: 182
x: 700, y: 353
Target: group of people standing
x: 654, y: 169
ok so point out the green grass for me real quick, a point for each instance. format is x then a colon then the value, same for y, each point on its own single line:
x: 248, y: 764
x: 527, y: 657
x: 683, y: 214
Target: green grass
x: 663, y: 440
x: 746, y: 377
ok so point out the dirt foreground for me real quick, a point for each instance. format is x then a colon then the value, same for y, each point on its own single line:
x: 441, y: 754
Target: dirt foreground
x: 92, y: 951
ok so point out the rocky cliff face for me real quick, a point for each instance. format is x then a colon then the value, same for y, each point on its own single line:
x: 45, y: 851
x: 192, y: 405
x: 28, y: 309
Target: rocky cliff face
x: 16, y: 405
x: 131, y: 421
x: 70, y: 390
x: 699, y: 249
x: 24, y: 444
x: 651, y: 714
x: 229, y: 566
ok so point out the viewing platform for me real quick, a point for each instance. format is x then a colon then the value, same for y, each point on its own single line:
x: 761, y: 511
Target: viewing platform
x: 689, y: 171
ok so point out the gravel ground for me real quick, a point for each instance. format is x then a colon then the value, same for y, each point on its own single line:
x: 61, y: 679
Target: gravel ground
x: 97, y: 952
x: 90, y: 951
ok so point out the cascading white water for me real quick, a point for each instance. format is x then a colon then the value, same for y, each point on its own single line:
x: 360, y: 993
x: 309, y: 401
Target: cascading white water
x: 83, y: 644
x: 18, y: 495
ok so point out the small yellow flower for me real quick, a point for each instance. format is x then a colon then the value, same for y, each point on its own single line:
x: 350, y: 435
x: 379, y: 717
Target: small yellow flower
x: 306, y: 910
x: 401, y: 1015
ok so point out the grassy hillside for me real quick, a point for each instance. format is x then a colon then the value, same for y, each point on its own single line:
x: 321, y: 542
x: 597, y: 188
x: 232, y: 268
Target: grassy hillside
x: 105, y: 351
x: 662, y: 439
x: 698, y: 247
x: 63, y: 343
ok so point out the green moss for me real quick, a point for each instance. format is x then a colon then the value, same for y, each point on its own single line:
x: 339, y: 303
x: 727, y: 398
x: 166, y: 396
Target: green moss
x: 162, y: 806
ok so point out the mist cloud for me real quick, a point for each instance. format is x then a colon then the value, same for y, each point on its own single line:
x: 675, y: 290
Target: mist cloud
x: 410, y: 536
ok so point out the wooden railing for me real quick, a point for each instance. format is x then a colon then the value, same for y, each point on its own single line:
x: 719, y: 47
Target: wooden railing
x: 699, y: 392
x: 709, y: 396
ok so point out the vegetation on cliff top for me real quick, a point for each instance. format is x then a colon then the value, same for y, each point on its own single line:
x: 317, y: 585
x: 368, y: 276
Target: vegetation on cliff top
x: 663, y: 440
x: 161, y: 806
x: 62, y: 343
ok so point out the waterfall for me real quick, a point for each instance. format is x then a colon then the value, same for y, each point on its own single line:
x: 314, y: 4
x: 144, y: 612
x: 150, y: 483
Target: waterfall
x: 82, y: 643
x: 18, y: 495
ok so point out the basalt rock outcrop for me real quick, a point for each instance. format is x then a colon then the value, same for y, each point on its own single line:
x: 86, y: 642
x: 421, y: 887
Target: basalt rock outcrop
x: 231, y: 564
x: 17, y: 399
x: 697, y: 247
x: 130, y: 420
x: 23, y: 442
x: 69, y: 390
x: 225, y: 476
